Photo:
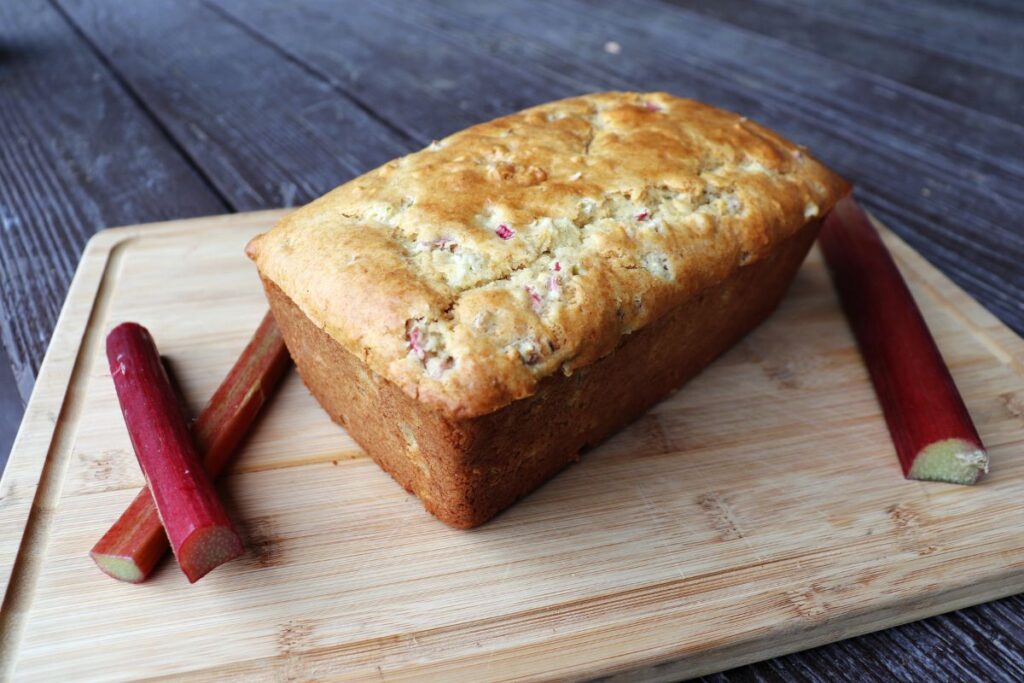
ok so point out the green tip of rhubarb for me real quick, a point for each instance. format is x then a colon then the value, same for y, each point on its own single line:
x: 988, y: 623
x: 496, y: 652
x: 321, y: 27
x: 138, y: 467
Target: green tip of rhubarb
x: 121, y: 568
x: 206, y: 549
x: 953, y: 460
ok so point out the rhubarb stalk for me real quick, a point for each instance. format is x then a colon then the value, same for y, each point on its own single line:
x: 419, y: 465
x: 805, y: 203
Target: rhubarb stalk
x: 933, y: 433
x: 197, y: 526
x: 135, y: 543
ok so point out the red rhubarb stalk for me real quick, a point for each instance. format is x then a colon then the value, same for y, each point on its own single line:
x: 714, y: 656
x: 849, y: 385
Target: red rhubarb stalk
x: 135, y: 543
x: 192, y: 515
x: 930, y: 426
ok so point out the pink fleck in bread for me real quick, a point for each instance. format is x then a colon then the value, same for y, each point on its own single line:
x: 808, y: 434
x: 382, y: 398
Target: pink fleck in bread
x: 478, y: 312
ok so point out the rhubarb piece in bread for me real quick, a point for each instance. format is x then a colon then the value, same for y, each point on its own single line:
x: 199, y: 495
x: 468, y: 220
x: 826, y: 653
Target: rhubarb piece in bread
x: 478, y: 312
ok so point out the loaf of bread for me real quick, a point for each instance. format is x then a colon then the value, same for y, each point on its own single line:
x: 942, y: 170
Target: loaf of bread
x: 478, y: 312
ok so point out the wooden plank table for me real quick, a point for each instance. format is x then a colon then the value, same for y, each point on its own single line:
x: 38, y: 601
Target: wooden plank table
x: 163, y: 109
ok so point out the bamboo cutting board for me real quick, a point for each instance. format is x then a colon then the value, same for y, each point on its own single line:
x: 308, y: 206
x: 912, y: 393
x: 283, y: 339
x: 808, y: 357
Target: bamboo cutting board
x: 758, y: 511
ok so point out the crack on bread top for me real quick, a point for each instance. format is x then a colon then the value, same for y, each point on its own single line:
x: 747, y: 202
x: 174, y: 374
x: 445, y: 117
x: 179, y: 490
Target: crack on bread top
x: 531, y: 244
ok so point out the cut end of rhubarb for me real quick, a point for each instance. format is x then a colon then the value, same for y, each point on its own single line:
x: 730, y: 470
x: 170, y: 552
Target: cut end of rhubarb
x: 953, y: 460
x: 206, y: 549
x: 121, y: 568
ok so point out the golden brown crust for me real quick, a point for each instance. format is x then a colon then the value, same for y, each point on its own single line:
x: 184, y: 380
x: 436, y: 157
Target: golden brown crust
x: 468, y: 272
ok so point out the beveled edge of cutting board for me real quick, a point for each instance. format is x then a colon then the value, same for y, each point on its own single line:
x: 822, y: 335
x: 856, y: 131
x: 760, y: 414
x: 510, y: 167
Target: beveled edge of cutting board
x: 31, y: 484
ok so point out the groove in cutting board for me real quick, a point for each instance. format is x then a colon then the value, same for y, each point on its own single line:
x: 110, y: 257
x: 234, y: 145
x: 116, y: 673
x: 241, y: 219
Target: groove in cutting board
x: 28, y: 561
x: 758, y: 511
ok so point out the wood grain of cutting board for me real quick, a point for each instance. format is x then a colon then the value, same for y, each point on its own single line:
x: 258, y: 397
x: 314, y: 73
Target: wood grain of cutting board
x: 758, y: 511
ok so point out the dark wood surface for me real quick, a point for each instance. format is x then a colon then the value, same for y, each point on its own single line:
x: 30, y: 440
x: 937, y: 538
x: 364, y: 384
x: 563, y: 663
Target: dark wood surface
x: 118, y: 113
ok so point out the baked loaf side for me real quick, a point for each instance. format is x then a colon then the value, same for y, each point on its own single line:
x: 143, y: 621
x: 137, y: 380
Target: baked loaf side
x: 467, y: 470
x: 468, y: 274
